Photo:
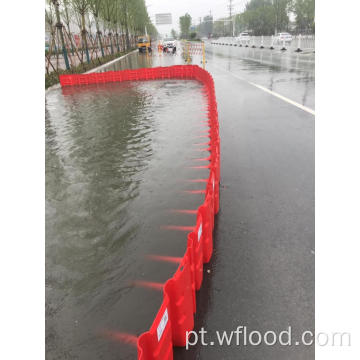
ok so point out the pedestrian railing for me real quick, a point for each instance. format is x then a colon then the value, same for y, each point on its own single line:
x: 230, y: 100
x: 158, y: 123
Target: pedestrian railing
x: 77, y: 52
x: 175, y: 317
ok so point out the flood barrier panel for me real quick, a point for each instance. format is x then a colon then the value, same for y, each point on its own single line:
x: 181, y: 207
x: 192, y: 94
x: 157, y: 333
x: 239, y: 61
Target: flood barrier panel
x: 175, y: 317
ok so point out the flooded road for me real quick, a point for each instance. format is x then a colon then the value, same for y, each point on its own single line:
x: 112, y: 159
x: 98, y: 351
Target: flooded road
x: 118, y: 163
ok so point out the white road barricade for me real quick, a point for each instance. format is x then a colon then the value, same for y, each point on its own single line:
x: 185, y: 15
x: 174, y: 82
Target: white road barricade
x: 299, y: 43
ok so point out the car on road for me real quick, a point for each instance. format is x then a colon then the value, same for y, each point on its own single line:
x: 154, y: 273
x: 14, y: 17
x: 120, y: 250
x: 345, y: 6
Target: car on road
x: 169, y: 45
x: 243, y: 37
x: 281, y: 37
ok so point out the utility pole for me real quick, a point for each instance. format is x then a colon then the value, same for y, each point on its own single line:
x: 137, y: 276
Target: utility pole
x: 230, y: 7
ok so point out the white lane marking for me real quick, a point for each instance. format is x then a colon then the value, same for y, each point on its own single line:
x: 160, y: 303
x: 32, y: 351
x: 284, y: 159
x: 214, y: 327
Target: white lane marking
x: 302, y: 107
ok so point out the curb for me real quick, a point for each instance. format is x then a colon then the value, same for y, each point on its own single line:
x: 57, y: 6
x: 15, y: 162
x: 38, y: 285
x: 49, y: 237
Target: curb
x: 58, y: 86
x: 109, y: 63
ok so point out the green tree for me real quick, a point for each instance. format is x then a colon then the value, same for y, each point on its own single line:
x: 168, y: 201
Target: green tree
x: 59, y: 27
x: 205, y: 28
x: 95, y: 8
x: 115, y: 24
x: 281, y: 11
x: 81, y: 7
x: 125, y: 19
x: 185, y: 23
x: 66, y: 14
x: 115, y: 16
x: 219, y: 27
x: 264, y: 17
x: 151, y: 29
x: 108, y: 11
x: 173, y: 34
x: 50, y: 22
x: 50, y: 27
x: 208, y: 25
x: 304, y: 15
x: 138, y: 15
x: 259, y: 17
x: 240, y: 23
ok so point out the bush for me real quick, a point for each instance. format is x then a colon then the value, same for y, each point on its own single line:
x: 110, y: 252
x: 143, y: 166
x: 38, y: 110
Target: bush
x: 192, y: 35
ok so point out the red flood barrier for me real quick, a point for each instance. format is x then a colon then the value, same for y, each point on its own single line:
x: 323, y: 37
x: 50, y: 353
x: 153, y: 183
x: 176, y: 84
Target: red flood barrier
x: 157, y: 342
x: 176, y: 314
x: 181, y: 301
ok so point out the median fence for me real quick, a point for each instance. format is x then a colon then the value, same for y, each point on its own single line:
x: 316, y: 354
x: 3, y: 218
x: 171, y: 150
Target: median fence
x: 176, y: 313
x: 298, y: 42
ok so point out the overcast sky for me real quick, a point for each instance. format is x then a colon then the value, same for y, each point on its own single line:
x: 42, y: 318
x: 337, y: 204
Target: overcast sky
x: 196, y: 8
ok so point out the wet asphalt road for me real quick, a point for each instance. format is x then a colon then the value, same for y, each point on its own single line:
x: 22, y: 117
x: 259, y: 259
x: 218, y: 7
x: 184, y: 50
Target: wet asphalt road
x: 262, y: 271
x: 288, y: 73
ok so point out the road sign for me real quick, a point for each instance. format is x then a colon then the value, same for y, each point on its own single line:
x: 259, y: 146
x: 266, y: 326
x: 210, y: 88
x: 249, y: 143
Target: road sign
x: 163, y: 19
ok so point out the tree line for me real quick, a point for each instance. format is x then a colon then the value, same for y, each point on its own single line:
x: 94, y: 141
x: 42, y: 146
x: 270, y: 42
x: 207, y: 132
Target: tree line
x: 185, y: 23
x: 260, y: 17
x: 114, y: 20
x: 267, y: 17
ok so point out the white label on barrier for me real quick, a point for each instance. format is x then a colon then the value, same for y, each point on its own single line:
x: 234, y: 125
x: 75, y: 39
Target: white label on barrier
x: 162, y: 324
x: 199, y: 232
x: 213, y: 183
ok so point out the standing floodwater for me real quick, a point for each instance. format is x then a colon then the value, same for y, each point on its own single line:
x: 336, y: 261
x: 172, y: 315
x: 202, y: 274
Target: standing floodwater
x: 119, y: 159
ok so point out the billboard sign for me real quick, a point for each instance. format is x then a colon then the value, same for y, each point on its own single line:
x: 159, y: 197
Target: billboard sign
x: 163, y: 19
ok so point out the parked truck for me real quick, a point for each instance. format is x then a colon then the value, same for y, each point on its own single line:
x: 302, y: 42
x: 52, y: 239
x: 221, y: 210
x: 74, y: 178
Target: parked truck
x: 144, y: 43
